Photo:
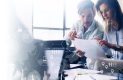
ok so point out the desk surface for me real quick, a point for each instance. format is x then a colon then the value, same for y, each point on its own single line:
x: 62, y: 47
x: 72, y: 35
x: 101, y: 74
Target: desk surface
x: 85, y: 74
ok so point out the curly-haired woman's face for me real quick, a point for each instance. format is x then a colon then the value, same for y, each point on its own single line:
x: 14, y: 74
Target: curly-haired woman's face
x: 105, y: 12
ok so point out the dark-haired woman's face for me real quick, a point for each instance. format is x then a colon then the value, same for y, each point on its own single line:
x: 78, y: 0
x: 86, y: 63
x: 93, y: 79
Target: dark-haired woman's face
x: 105, y: 12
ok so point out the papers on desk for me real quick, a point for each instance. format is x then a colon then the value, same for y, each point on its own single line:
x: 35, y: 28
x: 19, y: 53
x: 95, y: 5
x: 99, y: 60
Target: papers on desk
x: 80, y: 71
x: 75, y: 65
x: 86, y: 74
x: 95, y: 77
x: 91, y: 48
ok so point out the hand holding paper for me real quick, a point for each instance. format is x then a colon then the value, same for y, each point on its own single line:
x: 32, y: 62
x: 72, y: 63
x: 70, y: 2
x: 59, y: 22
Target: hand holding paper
x: 80, y: 53
x: 91, y: 48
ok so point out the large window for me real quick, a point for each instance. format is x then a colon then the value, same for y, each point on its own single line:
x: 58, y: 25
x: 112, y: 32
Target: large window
x: 53, y: 18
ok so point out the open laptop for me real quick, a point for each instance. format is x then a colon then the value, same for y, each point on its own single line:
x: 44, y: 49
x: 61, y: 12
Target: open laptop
x: 110, y: 65
x: 54, y: 51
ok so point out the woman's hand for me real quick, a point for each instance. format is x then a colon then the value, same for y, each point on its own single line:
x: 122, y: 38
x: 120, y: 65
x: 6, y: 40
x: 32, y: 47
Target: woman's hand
x: 102, y: 42
x: 105, y: 43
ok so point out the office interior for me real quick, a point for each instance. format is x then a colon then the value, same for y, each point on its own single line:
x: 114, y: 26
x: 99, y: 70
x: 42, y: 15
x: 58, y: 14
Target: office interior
x: 36, y: 40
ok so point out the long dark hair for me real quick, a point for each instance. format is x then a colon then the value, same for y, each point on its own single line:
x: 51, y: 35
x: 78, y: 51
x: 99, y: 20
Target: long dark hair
x: 115, y: 8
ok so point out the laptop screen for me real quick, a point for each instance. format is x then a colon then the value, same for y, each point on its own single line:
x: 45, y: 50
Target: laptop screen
x: 54, y: 51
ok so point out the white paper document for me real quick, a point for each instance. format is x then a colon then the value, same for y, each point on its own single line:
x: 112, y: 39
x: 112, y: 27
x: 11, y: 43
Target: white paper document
x: 91, y: 48
x: 86, y: 74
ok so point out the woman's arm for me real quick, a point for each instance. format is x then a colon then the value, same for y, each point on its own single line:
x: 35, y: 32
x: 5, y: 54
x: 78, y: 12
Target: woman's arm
x: 110, y: 45
x: 116, y: 47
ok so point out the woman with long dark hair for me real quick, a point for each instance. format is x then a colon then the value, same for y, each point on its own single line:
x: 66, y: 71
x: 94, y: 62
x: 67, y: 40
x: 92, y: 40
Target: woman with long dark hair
x: 112, y: 15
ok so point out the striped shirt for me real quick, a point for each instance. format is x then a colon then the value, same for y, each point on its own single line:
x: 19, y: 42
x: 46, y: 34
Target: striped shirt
x: 115, y: 37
